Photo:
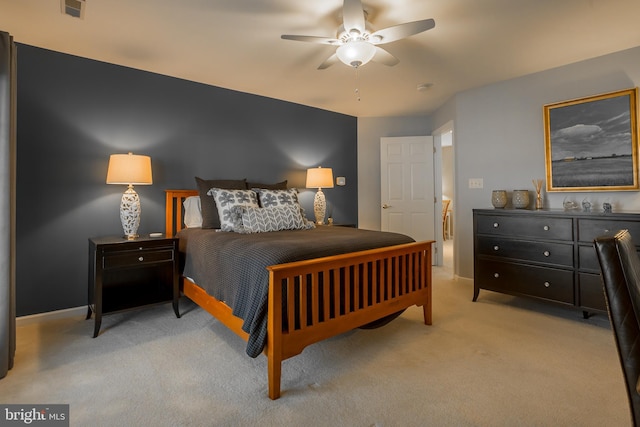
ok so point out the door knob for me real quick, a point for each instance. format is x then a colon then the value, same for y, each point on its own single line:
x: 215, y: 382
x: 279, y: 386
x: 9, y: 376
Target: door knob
x: 386, y: 206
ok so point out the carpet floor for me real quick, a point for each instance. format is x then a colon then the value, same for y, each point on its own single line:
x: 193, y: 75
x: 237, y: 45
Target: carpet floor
x: 501, y: 361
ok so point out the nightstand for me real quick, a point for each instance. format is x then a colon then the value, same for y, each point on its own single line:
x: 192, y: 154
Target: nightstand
x: 126, y: 274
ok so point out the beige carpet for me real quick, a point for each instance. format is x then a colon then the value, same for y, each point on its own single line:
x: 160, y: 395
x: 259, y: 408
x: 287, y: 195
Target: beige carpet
x: 501, y: 361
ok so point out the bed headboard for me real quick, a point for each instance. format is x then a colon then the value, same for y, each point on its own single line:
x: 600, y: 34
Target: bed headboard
x: 174, y: 210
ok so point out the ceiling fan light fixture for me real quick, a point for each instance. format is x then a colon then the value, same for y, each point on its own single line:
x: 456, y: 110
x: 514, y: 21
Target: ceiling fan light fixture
x: 356, y: 53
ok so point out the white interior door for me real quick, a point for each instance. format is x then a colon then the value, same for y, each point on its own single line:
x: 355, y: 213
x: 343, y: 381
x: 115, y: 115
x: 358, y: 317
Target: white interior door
x: 407, y: 186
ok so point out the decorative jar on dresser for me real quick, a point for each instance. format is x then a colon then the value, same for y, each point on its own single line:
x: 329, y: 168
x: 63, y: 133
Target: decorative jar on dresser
x: 544, y: 254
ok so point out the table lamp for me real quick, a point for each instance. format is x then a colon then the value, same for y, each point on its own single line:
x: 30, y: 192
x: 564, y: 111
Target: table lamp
x: 129, y: 169
x: 319, y: 178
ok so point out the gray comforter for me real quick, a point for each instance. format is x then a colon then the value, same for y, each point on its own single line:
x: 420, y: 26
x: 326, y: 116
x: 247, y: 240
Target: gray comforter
x: 232, y: 267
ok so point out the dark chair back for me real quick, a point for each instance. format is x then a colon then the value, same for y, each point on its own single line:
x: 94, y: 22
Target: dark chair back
x: 620, y: 266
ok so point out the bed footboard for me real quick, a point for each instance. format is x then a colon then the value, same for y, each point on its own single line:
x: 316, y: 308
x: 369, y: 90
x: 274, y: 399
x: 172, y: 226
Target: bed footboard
x: 331, y: 295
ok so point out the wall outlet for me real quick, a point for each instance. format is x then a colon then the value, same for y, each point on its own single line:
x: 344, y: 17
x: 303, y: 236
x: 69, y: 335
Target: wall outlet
x: 341, y: 180
x: 476, y: 183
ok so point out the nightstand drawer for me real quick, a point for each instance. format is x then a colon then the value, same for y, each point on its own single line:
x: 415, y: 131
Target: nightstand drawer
x: 136, y: 258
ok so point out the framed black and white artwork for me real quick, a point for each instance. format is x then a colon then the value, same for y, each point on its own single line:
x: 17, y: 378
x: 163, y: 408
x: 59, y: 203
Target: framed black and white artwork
x: 591, y: 144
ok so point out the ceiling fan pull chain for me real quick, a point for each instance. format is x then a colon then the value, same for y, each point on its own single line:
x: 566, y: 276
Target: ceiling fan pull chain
x: 357, y: 90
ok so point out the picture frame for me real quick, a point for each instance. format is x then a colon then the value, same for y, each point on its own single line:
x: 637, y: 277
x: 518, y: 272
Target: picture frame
x: 591, y: 144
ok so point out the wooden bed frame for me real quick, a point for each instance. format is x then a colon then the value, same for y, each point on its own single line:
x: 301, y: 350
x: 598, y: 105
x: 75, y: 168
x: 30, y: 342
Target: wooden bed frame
x: 401, y: 277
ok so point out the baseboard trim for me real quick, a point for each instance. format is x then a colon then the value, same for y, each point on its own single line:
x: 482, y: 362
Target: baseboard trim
x: 51, y: 315
x: 461, y: 279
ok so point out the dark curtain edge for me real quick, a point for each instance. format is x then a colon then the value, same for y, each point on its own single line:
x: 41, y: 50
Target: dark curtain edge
x: 8, y: 115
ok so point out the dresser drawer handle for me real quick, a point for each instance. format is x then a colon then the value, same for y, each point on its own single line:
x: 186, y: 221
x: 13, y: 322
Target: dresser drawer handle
x: 546, y: 228
x: 547, y: 284
x: 496, y: 275
x: 496, y: 248
x: 496, y: 225
x: 141, y: 258
x: 546, y: 253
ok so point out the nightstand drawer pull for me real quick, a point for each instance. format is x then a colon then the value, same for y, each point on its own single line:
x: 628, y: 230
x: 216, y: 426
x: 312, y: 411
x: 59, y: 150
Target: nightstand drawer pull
x: 496, y: 275
x: 141, y: 258
x: 496, y: 248
x: 546, y: 253
x: 546, y: 228
x: 496, y: 225
x: 547, y: 284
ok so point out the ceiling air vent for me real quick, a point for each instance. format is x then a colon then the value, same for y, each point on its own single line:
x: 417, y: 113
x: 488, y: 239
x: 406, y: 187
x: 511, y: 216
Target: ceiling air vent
x: 73, y: 8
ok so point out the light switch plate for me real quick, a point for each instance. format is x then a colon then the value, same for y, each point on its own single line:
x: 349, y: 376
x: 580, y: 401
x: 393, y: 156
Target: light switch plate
x: 476, y: 183
x: 341, y: 180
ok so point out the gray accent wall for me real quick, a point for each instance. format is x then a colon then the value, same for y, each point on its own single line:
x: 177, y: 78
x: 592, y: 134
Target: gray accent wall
x: 74, y: 112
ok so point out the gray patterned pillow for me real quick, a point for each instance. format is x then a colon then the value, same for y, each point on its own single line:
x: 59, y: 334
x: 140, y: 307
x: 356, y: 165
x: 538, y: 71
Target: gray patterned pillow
x: 274, y: 218
x: 226, y: 200
x: 269, y: 198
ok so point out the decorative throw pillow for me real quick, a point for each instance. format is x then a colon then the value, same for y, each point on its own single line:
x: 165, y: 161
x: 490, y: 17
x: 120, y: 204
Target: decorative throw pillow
x: 231, y: 219
x: 275, y: 218
x: 269, y: 198
x: 289, y: 197
x: 210, y: 217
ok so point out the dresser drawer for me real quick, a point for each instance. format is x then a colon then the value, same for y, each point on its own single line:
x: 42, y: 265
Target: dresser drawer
x: 533, y: 251
x: 136, y: 258
x: 525, y: 226
x: 591, y: 292
x: 519, y: 279
x: 589, y: 229
x: 588, y: 259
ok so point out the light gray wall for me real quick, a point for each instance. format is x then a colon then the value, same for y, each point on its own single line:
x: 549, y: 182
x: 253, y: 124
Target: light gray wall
x: 499, y: 136
x: 370, y: 130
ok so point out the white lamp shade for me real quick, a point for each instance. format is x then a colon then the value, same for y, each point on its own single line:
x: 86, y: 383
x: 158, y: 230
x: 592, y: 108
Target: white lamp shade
x: 319, y: 178
x: 356, y: 53
x: 129, y: 169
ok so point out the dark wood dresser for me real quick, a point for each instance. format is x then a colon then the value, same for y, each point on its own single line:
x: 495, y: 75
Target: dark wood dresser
x: 545, y: 254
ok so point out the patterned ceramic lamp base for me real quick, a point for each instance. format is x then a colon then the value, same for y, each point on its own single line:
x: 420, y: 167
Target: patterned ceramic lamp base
x: 130, y: 213
x: 319, y: 206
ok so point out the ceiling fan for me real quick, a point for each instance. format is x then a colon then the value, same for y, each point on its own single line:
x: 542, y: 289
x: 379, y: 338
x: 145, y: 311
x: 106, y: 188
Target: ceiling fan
x: 357, y: 43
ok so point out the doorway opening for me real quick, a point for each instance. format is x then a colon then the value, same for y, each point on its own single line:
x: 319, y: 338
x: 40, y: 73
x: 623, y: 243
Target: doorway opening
x: 444, y: 141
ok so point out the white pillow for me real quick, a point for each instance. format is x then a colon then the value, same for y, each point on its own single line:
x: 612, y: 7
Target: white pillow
x: 274, y: 218
x: 192, y: 212
x: 231, y: 219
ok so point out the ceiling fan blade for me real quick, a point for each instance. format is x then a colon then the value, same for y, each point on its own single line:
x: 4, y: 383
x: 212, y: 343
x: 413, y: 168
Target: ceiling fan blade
x: 311, y: 39
x: 383, y: 57
x: 353, y: 15
x: 333, y: 59
x: 400, y: 31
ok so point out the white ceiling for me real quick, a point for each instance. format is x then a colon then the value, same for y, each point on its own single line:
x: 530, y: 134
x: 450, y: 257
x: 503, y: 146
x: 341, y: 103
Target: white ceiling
x: 236, y: 44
